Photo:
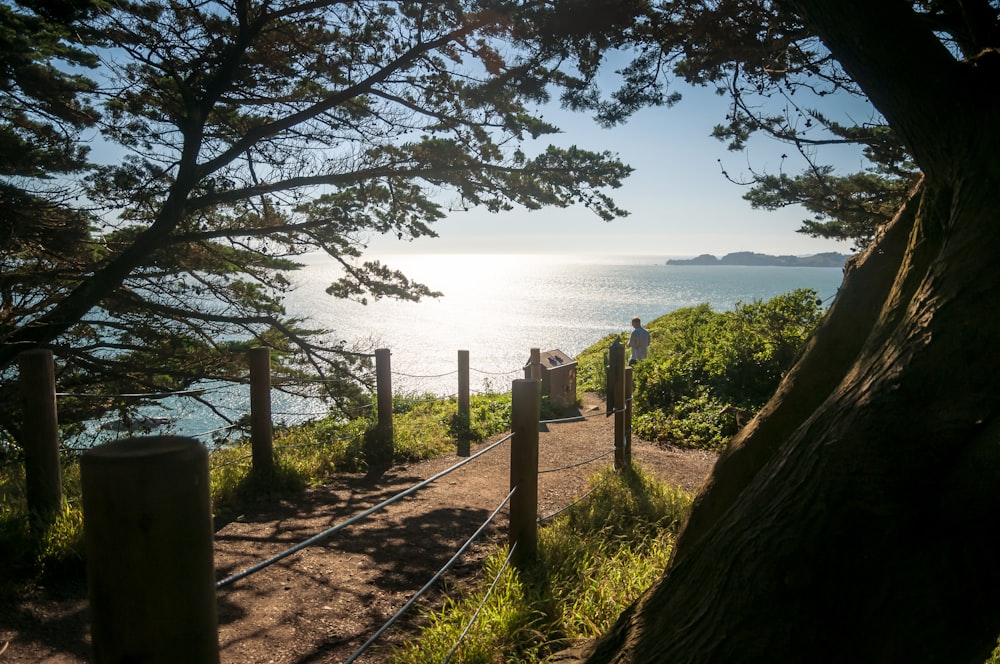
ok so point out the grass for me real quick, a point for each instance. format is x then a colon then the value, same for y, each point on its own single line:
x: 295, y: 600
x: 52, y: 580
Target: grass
x: 593, y: 561
x: 305, y: 455
x: 51, y: 549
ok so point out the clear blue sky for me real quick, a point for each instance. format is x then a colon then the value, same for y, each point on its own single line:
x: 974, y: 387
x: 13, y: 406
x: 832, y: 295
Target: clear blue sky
x: 680, y: 203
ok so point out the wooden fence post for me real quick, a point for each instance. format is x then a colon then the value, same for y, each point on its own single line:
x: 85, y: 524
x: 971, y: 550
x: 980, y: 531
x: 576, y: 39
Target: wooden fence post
x: 525, y: 415
x: 464, y: 415
x: 261, y: 427
x: 536, y: 364
x: 616, y: 388
x: 148, y: 541
x: 629, y: 389
x: 379, y: 445
x: 383, y: 381
x: 43, y: 476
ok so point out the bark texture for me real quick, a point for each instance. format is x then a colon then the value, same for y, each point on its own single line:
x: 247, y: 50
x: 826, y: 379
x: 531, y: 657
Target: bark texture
x: 857, y: 518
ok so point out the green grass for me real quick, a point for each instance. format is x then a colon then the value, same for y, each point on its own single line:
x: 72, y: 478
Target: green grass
x: 305, y: 455
x: 593, y: 561
x: 51, y: 550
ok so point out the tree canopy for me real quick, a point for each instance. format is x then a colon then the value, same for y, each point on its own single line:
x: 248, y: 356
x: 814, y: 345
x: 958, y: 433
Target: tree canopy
x: 193, y: 151
x: 782, y: 83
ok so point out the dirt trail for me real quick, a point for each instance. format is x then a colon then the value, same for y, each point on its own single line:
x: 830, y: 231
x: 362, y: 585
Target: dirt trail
x: 322, y: 603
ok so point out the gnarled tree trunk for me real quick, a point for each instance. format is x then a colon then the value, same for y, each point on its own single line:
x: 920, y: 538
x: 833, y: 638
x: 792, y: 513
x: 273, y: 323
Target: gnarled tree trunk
x: 857, y: 518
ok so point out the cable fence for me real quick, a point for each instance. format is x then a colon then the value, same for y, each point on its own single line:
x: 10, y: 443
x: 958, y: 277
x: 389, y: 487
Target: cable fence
x: 518, y: 486
x: 433, y: 580
x: 100, y: 467
x: 486, y: 596
x: 326, y: 534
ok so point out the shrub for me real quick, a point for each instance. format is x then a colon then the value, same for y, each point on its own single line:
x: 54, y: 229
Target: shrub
x: 705, y: 367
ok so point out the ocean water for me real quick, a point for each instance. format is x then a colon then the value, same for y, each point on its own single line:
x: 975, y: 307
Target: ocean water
x: 497, y: 307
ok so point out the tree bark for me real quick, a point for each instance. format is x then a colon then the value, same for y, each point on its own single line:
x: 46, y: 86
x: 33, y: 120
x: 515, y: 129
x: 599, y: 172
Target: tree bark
x: 857, y: 518
x: 864, y: 529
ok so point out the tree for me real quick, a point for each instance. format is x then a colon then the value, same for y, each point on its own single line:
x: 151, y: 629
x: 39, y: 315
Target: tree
x: 42, y: 108
x: 235, y: 136
x: 855, y: 518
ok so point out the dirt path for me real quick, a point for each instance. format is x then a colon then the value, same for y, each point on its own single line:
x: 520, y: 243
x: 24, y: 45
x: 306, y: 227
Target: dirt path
x: 322, y: 603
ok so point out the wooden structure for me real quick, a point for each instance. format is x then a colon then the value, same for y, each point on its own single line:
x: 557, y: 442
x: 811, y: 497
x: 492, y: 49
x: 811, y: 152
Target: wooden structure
x: 558, y: 376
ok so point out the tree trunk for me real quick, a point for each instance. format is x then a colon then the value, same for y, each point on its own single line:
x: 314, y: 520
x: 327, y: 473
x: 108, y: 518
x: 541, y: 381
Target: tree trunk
x: 857, y: 518
x: 858, y: 523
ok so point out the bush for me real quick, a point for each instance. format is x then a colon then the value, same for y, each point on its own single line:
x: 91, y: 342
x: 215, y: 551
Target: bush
x: 706, y: 367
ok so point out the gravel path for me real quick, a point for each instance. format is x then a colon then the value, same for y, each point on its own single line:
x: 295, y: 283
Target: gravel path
x: 322, y: 603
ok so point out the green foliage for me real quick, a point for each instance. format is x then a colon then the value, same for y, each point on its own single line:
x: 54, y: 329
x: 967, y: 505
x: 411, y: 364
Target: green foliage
x: 698, y: 421
x: 591, y: 365
x: 708, y: 372
x: 237, y: 138
x: 594, y: 559
x: 850, y: 208
x: 307, y: 454
x: 56, y: 549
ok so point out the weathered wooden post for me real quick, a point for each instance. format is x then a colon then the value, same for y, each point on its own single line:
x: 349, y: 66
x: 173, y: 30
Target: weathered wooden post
x: 536, y: 363
x: 383, y: 381
x: 379, y: 440
x: 464, y: 415
x: 616, y: 394
x: 525, y: 414
x: 629, y: 393
x: 261, y: 427
x: 148, y: 539
x: 43, y: 476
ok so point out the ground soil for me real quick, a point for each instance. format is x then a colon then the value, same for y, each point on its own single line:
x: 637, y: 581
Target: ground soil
x: 322, y: 603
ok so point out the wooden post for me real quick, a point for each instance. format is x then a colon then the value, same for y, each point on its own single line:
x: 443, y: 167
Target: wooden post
x: 43, y: 477
x: 148, y: 540
x: 629, y: 393
x: 261, y: 427
x: 383, y: 381
x: 616, y: 382
x: 525, y: 415
x: 536, y: 364
x: 379, y: 440
x: 464, y: 416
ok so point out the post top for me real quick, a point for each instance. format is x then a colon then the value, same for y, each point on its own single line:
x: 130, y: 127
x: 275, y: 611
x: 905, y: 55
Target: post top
x: 149, y: 447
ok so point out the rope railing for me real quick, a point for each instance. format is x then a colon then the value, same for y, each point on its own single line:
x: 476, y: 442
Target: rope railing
x: 579, y: 499
x: 581, y: 417
x: 496, y: 373
x: 577, y: 465
x: 237, y: 416
x: 427, y: 586
x: 316, y: 539
x: 443, y: 375
x: 482, y: 603
x: 233, y: 462
x: 378, y: 633
x: 522, y: 503
x: 227, y: 427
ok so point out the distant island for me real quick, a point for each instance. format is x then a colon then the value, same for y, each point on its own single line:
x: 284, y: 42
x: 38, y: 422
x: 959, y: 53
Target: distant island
x: 829, y: 259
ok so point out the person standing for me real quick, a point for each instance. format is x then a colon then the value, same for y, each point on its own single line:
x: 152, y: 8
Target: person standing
x: 638, y: 341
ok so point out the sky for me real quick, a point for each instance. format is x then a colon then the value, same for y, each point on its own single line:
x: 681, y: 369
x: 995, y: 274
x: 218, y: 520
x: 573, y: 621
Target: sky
x: 680, y: 203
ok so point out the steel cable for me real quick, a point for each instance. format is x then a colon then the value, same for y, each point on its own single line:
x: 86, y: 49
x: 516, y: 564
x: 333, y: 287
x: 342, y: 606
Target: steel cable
x: 578, y: 500
x: 576, y: 465
x: 354, y: 519
x: 475, y: 614
x: 427, y: 586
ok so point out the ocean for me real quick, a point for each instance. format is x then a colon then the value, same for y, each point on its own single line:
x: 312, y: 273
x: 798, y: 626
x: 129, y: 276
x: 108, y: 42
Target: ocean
x: 499, y: 307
